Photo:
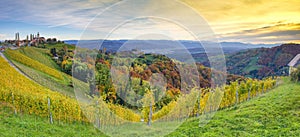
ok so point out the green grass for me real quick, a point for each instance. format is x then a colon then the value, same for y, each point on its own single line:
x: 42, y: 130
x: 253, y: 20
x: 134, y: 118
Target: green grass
x: 59, y: 46
x: 45, y: 80
x: 21, y: 58
x: 275, y: 113
x: 61, y: 85
x: 29, y: 125
x: 252, y: 65
x: 40, y: 55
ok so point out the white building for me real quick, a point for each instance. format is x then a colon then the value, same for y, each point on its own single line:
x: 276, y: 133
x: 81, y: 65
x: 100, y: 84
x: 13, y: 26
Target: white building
x: 294, y: 63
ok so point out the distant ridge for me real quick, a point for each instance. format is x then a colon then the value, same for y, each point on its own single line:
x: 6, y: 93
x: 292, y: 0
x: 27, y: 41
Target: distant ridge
x: 263, y: 62
x: 194, y: 46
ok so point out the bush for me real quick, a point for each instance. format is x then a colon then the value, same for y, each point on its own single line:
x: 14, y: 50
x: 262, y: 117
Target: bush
x: 295, y: 75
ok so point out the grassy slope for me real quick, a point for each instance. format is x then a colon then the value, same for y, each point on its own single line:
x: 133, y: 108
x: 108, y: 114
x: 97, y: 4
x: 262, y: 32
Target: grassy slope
x: 61, y: 86
x: 30, y: 125
x: 40, y: 55
x: 275, y: 113
x: 59, y: 46
x: 252, y: 65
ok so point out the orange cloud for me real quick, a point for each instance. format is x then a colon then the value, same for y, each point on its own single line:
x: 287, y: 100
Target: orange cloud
x: 233, y: 16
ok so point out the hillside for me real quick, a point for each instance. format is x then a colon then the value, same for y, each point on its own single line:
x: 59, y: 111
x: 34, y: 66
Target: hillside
x: 262, y: 62
x: 228, y: 115
x: 275, y: 113
x: 31, y: 125
x: 41, y: 68
x: 40, y: 55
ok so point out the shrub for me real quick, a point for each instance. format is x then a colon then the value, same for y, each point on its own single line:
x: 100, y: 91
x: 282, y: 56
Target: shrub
x: 295, y: 75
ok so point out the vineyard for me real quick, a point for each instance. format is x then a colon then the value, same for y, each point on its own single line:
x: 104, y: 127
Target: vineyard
x: 28, y: 97
x: 209, y: 100
x: 40, y: 55
x: 63, y: 86
x: 19, y: 57
x: 232, y: 94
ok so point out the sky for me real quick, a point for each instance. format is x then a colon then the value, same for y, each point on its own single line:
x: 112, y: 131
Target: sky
x: 249, y: 21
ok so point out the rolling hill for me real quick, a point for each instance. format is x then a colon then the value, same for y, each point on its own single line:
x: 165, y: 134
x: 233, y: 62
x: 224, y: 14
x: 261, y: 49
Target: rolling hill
x: 271, y: 114
x: 262, y: 62
x: 41, y: 68
x: 275, y: 113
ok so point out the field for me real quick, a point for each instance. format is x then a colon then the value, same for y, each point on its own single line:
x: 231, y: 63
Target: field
x: 275, y: 113
x: 40, y: 55
x: 62, y: 85
x: 146, y: 68
x: 265, y: 114
x: 28, y: 97
x: 21, y: 58
x: 31, y: 125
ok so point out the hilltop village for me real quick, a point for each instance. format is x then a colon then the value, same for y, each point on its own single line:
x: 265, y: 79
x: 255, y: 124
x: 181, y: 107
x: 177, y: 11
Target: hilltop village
x: 30, y: 40
x: 58, y: 50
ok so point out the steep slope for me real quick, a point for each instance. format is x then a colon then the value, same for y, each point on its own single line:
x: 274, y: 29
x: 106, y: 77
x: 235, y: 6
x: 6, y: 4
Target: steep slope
x: 41, y: 69
x: 262, y: 62
x: 40, y: 55
x: 31, y: 125
x: 275, y: 113
x: 21, y: 58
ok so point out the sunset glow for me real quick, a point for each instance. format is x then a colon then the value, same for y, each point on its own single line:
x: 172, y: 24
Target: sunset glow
x: 250, y: 21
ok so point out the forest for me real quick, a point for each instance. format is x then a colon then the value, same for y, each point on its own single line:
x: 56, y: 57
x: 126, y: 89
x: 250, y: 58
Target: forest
x: 95, y: 68
x: 262, y: 62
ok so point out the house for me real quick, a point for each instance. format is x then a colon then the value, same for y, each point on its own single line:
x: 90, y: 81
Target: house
x: 2, y: 48
x: 294, y: 63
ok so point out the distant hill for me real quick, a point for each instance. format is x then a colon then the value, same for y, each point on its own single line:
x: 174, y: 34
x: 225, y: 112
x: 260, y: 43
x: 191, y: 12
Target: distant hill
x: 262, y: 62
x: 194, y: 47
x: 251, y: 60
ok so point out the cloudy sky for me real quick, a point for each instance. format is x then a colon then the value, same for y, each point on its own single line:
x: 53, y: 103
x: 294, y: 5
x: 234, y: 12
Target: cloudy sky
x: 253, y: 21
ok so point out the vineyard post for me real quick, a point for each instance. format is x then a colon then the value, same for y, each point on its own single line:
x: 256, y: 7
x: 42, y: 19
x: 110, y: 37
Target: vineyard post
x: 97, y: 114
x: 210, y: 100
x: 49, y: 110
x: 263, y: 90
x: 150, y: 114
x: 199, y: 107
x: 249, y: 90
x: 237, y: 97
x: 13, y: 102
x: 257, y: 89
